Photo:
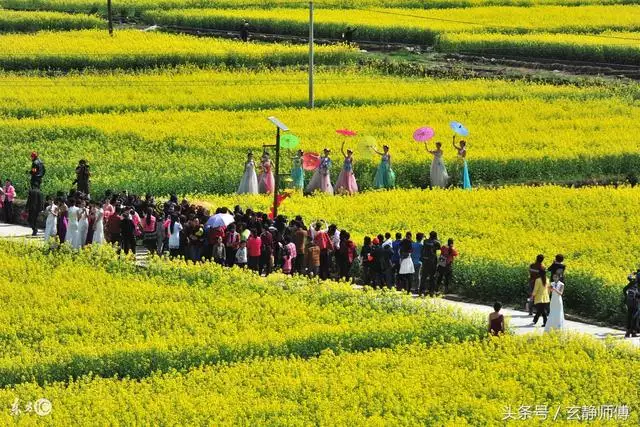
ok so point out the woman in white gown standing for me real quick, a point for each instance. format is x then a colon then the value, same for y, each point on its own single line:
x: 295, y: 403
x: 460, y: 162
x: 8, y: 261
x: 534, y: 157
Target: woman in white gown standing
x: 51, y: 228
x: 556, y: 308
x: 72, y: 230
x: 83, y: 225
x: 438, y: 174
x: 249, y: 183
x: 98, y: 225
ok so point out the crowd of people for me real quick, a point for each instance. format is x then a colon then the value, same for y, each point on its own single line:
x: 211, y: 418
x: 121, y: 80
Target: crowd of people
x: 263, y: 181
x: 250, y: 239
x: 255, y: 240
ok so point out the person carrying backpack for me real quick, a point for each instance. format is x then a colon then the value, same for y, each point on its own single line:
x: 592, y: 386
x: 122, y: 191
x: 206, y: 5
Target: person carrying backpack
x: 631, y: 298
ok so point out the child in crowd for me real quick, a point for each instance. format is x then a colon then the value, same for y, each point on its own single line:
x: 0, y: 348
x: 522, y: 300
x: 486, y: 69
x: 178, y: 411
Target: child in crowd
x: 241, y: 255
x: 219, y: 251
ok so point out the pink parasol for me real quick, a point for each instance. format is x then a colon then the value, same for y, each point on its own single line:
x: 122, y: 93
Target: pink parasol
x: 346, y: 132
x: 310, y: 161
x: 423, y: 134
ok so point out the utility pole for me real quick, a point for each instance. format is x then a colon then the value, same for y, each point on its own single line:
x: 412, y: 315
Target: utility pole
x: 110, y: 17
x: 311, y: 100
x: 279, y: 127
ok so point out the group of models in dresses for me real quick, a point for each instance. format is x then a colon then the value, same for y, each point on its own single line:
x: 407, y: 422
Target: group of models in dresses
x: 264, y: 181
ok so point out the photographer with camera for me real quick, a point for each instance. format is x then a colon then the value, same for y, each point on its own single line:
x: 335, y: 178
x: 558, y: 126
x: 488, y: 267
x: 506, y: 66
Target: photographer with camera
x: 82, y: 177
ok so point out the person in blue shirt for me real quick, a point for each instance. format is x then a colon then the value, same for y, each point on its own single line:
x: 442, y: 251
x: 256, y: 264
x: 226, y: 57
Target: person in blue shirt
x: 416, y: 256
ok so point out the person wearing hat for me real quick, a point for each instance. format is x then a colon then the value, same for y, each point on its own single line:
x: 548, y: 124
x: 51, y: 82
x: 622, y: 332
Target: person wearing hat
x: 82, y: 177
x: 37, y: 170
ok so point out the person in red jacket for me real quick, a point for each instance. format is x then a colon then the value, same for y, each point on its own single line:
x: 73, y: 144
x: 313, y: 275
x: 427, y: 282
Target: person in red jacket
x: 445, y: 264
x: 254, y: 250
x: 347, y: 254
x: 323, y: 241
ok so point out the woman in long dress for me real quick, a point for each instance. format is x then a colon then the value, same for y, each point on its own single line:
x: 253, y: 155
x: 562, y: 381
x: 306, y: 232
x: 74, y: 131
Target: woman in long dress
x: 50, y: 229
x: 297, y: 173
x: 346, y: 183
x: 385, y: 176
x: 462, y: 156
x: 83, y: 225
x: 438, y: 175
x: 321, y: 180
x: 98, y: 226
x: 556, y: 308
x: 249, y: 182
x: 63, y: 221
x: 266, y: 180
x: 72, y: 230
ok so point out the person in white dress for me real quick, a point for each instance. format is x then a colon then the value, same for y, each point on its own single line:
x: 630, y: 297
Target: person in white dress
x: 83, y: 225
x: 438, y: 174
x: 98, y: 225
x: 249, y: 182
x: 72, y: 230
x: 51, y: 227
x: 556, y: 308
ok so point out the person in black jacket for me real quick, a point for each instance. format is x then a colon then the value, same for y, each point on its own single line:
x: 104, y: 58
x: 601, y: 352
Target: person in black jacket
x: 127, y: 232
x: 82, y: 177
x: 430, y: 249
x: 631, y: 295
x: 34, y: 207
x: 37, y: 170
x: 380, y: 263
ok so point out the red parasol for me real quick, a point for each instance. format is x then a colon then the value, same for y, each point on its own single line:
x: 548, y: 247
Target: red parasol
x: 346, y: 132
x: 310, y: 161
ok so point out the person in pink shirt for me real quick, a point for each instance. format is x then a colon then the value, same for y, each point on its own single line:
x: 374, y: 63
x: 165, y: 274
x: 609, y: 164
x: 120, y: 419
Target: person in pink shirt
x: 8, y: 196
x: 107, y: 210
x: 290, y: 253
x: 150, y: 236
x: 254, y: 250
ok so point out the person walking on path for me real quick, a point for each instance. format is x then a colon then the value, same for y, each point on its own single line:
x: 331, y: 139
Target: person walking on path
x: 9, y: 194
x: 496, y: 320
x: 540, y: 296
x: 534, y: 273
x: 631, y: 294
x: 556, y: 308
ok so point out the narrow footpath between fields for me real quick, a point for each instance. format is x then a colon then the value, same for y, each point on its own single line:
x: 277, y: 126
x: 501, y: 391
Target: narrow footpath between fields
x: 518, y: 321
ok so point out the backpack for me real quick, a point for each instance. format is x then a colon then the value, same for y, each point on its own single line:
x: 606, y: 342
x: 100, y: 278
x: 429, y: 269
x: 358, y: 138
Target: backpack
x: 632, y: 297
x: 442, y: 261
